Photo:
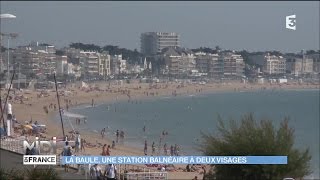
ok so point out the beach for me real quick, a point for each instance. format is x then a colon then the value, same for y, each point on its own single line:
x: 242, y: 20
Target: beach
x: 36, y: 104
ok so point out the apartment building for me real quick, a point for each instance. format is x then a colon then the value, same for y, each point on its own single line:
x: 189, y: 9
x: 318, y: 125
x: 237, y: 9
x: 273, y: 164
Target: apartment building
x: 27, y: 59
x: 271, y: 64
x: 179, y: 61
x: 316, y: 61
x: 118, y: 65
x: 61, y: 65
x: 299, y: 65
x: 104, y: 64
x: 154, y: 42
x: 210, y: 64
x: 233, y: 65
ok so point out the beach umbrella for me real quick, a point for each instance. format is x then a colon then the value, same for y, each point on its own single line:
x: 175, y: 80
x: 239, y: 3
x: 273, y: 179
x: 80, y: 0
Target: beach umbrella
x: 28, y: 126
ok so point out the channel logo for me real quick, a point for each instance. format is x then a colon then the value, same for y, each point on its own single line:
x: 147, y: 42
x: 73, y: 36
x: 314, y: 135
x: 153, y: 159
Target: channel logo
x: 39, y: 160
x: 291, y: 22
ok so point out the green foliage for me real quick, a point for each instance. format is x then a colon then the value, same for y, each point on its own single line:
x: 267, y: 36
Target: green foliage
x: 248, y: 137
x: 30, y: 174
x: 38, y: 173
x: 3, y: 49
x: 85, y: 47
x: 309, y: 52
x: 12, y: 174
x: 44, y: 44
x: 206, y: 50
x: 60, y: 53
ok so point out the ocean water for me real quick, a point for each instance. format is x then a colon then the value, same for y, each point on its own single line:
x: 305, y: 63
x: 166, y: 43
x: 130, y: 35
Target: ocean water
x: 185, y: 117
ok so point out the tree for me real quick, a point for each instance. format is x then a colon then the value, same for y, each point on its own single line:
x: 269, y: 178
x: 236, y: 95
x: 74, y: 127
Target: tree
x: 85, y: 47
x: 250, y: 138
x: 44, y: 44
x: 3, y: 49
x: 60, y: 53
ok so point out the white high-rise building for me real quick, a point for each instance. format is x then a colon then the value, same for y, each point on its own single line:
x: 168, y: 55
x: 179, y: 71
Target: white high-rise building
x: 153, y: 42
x: 271, y: 64
x: 61, y: 63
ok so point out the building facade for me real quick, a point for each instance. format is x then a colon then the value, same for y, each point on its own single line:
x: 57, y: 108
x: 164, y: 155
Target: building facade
x: 233, y: 65
x: 61, y: 65
x: 316, y: 62
x: 153, y: 42
x: 118, y: 65
x: 179, y: 62
x: 299, y: 65
x: 271, y: 64
x: 104, y: 64
x: 210, y: 64
x: 28, y: 60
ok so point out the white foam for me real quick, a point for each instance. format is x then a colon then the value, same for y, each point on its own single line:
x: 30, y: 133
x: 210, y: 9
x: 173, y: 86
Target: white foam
x: 73, y: 115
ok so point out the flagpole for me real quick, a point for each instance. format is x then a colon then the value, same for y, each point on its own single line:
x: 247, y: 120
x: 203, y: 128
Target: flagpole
x: 55, y: 80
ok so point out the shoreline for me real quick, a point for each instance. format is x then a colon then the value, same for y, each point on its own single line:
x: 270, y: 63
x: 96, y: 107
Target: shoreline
x: 84, y: 99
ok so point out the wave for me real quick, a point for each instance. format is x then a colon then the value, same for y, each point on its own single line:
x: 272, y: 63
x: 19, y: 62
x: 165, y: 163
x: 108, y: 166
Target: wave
x: 73, y: 115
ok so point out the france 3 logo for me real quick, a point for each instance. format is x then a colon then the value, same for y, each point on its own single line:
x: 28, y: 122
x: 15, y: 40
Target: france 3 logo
x: 291, y: 22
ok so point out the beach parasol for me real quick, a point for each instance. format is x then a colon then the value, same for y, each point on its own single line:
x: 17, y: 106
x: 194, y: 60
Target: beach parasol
x: 28, y: 126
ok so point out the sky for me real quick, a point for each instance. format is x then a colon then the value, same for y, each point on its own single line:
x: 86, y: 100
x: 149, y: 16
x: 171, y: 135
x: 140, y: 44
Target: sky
x: 253, y: 26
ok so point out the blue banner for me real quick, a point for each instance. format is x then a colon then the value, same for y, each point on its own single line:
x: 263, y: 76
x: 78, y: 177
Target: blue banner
x: 174, y: 160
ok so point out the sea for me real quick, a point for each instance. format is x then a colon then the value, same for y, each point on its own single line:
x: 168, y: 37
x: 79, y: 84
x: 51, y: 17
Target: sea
x: 186, y: 117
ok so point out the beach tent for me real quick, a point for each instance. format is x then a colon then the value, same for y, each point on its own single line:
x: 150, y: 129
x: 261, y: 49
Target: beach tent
x: 84, y: 85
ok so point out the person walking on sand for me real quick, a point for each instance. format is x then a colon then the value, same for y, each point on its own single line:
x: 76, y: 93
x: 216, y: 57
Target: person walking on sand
x: 104, y: 150
x: 82, y: 144
x: 66, y: 152
x: 117, y: 134
x: 78, y: 141
x: 145, y: 147
x: 204, y: 172
x: 122, y: 136
x: 111, y: 172
x: 103, y: 132
x: 144, y: 128
x: 108, y: 152
x: 95, y: 172
x: 153, y: 148
x: 171, y: 150
x: 165, y: 149
x: 113, y: 144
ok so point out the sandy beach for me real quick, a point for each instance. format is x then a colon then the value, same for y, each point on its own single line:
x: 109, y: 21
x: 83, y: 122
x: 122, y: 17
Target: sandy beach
x: 35, y: 103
